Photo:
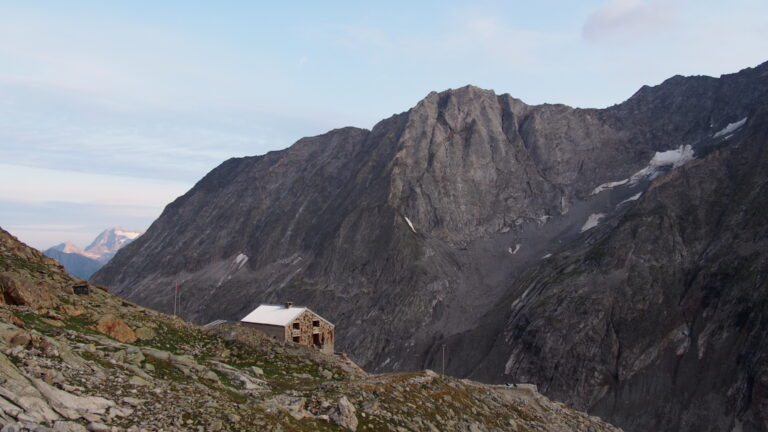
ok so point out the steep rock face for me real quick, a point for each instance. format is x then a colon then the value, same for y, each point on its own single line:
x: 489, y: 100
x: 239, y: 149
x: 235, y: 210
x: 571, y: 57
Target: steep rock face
x: 670, y: 303
x: 441, y: 224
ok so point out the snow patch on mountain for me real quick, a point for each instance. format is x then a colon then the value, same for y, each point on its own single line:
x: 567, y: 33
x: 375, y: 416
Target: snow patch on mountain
x: 610, y: 185
x: 634, y: 197
x: 677, y: 157
x: 674, y: 158
x: 128, y: 234
x: 730, y: 128
x: 410, y: 224
x: 240, y: 260
x: 233, y: 267
x: 592, y: 221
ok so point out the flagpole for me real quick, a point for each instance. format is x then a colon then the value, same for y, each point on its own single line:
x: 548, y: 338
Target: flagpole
x: 443, y: 359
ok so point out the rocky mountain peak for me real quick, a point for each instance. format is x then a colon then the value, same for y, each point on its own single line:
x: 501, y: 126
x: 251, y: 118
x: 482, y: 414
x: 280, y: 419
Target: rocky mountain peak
x: 67, y: 247
x: 83, y: 263
x: 106, y: 244
x: 466, y: 95
x: 584, y: 250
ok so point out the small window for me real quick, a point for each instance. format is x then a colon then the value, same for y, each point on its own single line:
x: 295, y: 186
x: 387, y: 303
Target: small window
x: 297, y: 326
x: 316, y: 323
x: 296, y: 339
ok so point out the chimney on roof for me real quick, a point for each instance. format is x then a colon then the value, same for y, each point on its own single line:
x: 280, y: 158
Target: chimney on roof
x: 288, y: 305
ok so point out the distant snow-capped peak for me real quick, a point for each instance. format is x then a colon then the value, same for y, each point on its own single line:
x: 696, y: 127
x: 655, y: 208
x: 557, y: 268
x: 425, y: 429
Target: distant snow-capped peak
x: 67, y: 247
x: 106, y: 244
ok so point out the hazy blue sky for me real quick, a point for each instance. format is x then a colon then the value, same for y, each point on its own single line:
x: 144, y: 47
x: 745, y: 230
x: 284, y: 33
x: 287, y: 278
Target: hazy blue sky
x: 110, y: 110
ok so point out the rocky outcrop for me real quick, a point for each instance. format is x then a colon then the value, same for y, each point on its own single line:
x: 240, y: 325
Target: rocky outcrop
x: 479, y: 226
x: 116, y: 328
x: 71, y: 406
x: 19, y: 291
x: 344, y: 414
x: 18, y: 287
x: 19, y: 398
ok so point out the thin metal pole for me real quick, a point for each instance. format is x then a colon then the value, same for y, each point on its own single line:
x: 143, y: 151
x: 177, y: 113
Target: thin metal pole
x: 443, y: 359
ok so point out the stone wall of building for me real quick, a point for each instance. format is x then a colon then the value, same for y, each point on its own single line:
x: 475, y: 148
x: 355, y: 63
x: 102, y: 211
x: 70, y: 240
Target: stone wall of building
x: 311, y: 330
x: 273, y: 331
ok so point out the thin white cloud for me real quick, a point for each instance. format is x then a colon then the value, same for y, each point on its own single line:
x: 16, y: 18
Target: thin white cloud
x: 48, y: 227
x: 39, y: 185
x: 43, y: 224
x: 647, y: 41
x: 487, y: 36
x: 355, y: 36
x: 50, y: 53
x: 626, y: 20
x: 44, y: 238
x: 129, y: 65
x: 475, y: 37
x: 48, y: 130
x: 44, y: 207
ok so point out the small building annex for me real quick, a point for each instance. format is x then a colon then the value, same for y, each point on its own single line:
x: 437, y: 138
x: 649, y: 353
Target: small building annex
x: 292, y: 323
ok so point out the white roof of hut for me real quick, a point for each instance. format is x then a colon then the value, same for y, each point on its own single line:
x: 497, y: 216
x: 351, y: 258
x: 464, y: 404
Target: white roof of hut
x: 278, y: 315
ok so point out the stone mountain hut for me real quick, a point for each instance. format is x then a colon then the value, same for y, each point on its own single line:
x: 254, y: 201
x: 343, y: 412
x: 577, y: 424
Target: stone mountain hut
x: 81, y: 288
x: 293, y: 323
